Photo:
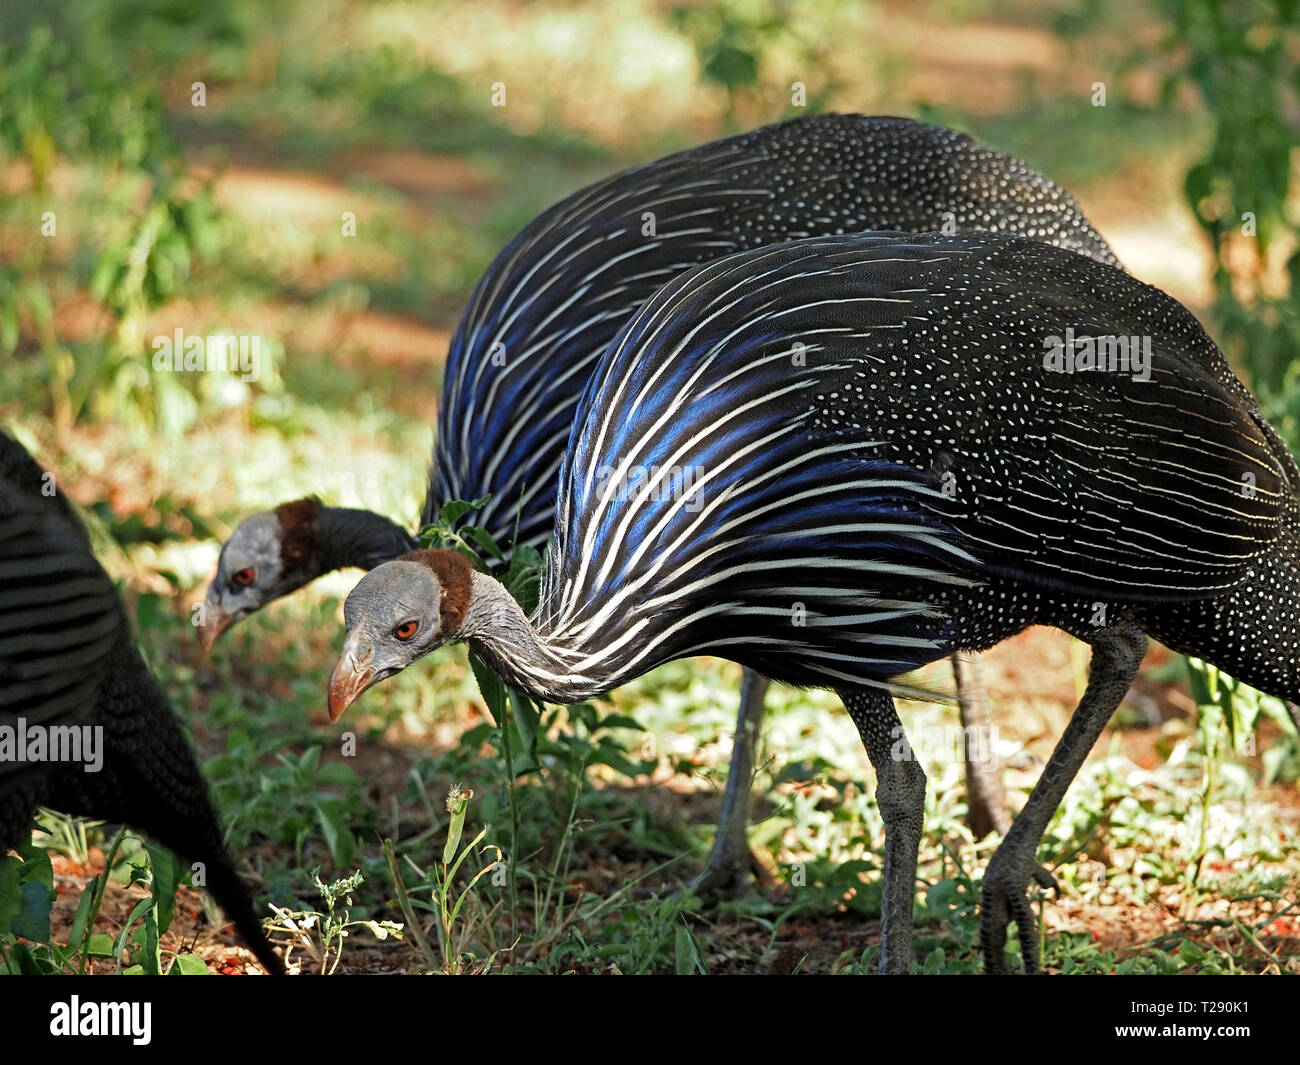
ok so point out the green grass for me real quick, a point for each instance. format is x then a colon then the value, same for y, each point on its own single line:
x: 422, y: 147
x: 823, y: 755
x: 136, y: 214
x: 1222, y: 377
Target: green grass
x: 597, y: 852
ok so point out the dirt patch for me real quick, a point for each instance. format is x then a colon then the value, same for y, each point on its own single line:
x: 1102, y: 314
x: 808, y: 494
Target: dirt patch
x: 190, y: 932
x: 417, y: 174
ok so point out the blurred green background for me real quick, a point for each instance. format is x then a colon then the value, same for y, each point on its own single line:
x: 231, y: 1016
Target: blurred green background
x: 193, y: 164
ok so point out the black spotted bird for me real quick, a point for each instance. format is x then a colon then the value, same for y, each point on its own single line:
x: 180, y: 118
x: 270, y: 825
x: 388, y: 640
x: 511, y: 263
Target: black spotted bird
x: 553, y: 299
x: 68, y: 662
x: 886, y: 431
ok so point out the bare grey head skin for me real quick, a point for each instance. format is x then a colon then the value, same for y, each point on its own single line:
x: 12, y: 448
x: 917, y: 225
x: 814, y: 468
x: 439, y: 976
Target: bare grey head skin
x: 397, y: 613
x: 405, y: 609
x: 251, y: 572
x: 275, y: 552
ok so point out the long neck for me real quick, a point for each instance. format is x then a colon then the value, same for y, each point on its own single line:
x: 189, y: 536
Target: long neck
x: 358, y: 538
x: 499, y: 632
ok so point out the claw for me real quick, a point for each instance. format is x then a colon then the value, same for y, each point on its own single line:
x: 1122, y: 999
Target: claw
x: 1006, y: 902
x: 1022, y: 913
x: 1045, y: 880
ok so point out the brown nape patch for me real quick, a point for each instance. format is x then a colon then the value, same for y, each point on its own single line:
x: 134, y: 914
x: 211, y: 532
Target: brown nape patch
x: 454, y: 574
x: 298, y: 531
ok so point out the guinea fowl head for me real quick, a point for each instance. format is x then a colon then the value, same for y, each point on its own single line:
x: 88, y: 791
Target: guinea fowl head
x: 270, y: 554
x: 397, y: 613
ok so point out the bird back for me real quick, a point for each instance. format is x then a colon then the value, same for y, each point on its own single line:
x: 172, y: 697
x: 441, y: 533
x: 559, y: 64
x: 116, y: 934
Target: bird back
x: 556, y: 295
x: 872, y: 422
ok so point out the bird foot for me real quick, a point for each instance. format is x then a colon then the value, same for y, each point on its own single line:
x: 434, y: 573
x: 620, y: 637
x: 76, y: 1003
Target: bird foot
x: 1043, y: 876
x: 1005, y: 902
x: 729, y: 874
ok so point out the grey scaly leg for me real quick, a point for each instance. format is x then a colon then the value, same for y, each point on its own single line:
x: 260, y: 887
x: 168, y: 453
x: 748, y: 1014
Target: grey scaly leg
x: 728, y: 868
x: 1117, y: 653
x: 985, y: 795
x: 900, y: 794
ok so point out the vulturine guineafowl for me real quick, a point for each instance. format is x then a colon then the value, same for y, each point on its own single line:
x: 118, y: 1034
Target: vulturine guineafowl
x: 68, y: 662
x: 892, y: 460
x: 556, y: 295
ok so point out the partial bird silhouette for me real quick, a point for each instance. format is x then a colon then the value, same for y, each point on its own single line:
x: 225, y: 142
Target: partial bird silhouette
x: 68, y: 664
x: 901, y: 446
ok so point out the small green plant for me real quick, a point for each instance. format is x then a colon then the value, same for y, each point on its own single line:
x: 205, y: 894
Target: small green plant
x: 455, y: 937
x: 150, y: 919
x: 322, y: 936
x: 26, y: 894
x: 68, y: 835
x: 1227, y: 710
x: 522, y: 576
x: 302, y: 798
x: 26, y: 897
x: 735, y: 42
x: 632, y: 940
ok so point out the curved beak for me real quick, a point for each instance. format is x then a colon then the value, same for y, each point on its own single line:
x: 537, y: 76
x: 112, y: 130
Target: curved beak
x: 216, y: 621
x: 349, y: 679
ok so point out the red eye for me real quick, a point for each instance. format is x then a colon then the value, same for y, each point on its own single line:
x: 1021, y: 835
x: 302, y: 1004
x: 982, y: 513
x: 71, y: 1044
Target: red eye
x: 406, y: 630
x: 243, y: 577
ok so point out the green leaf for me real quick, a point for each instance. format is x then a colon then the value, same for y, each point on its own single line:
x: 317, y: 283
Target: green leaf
x: 455, y: 509
x: 37, y: 297
x: 83, y: 917
x: 334, y: 773
x: 337, y: 837
x: 483, y: 539
x: 33, y: 919
x: 621, y: 721
x: 617, y: 760
x: 942, y: 897
x: 36, y: 865
x: 166, y: 877
x: 148, y: 939
x: 687, y: 953
x: 189, y: 965
x: 11, y: 896
x: 8, y: 328
x: 491, y: 687
x: 525, y: 557
x: 1277, y: 760
x: 458, y: 807
x: 523, y: 578
x: 24, y: 960
x: 119, y: 945
x: 100, y: 945
x: 1203, y: 679
x: 1276, y: 710
x: 526, y: 720
x: 731, y: 67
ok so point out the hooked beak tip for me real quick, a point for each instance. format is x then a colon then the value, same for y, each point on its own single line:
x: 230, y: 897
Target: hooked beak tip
x: 346, y: 685
x: 210, y: 630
